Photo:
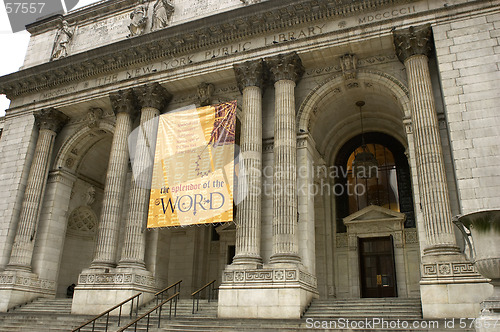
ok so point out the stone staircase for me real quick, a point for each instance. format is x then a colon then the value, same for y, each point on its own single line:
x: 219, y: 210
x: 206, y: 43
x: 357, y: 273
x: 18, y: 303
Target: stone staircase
x: 389, y: 308
x: 41, y: 315
x: 54, y: 315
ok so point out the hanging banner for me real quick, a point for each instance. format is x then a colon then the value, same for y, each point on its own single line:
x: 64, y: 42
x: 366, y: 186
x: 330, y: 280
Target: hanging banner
x: 193, y: 167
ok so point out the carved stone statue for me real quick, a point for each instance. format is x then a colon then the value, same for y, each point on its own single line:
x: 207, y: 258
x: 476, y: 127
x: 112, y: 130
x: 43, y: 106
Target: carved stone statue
x: 63, y: 38
x: 139, y: 19
x: 90, y: 195
x: 205, y: 91
x: 162, y: 12
x: 93, y: 117
x: 348, y: 64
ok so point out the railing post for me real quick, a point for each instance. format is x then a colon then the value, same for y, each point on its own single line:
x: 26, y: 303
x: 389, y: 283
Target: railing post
x: 137, y: 306
x: 120, y: 316
x: 175, y: 308
x: 107, y: 321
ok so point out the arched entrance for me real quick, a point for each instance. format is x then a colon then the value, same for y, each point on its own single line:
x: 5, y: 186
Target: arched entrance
x: 345, y: 226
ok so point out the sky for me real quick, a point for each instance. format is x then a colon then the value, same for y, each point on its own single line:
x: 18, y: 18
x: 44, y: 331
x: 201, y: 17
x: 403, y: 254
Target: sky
x: 15, y: 45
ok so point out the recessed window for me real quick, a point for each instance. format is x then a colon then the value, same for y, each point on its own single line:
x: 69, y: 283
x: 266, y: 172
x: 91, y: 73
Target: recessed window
x: 381, y: 189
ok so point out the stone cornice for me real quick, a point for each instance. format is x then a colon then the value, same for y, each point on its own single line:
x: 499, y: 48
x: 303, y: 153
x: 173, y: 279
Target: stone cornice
x: 211, y: 31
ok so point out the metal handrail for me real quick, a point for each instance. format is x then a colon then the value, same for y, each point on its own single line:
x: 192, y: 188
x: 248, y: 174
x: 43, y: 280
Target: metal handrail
x: 148, y: 314
x: 119, y: 305
x: 196, y: 295
x: 176, y: 286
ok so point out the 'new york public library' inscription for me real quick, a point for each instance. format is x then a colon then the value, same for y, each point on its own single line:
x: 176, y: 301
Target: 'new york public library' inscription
x: 234, y: 49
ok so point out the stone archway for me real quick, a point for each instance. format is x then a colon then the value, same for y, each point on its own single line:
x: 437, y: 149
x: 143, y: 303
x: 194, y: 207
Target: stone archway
x: 75, y: 183
x: 330, y: 117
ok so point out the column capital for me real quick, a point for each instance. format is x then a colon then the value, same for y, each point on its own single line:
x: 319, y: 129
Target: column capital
x: 285, y: 67
x: 153, y: 95
x: 249, y: 73
x: 51, y: 119
x: 413, y: 41
x: 124, y: 101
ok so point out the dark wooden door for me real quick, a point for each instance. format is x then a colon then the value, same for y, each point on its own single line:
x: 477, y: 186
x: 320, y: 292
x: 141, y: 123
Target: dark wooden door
x: 377, y: 271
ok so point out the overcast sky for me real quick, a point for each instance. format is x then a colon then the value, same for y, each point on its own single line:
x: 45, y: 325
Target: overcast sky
x: 14, y: 48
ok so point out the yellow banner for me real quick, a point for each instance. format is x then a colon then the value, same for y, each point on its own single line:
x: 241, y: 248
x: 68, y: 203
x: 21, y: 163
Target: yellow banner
x: 193, y: 167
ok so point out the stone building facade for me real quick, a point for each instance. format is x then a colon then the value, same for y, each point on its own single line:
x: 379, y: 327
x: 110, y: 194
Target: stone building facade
x: 426, y: 70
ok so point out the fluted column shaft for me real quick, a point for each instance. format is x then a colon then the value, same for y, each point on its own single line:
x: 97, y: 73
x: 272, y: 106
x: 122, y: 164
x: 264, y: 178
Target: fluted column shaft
x: 413, y: 47
x: 50, y: 121
x: 107, y: 240
x: 153, y: 98
x: 250, y: 78
x: 286, y: 70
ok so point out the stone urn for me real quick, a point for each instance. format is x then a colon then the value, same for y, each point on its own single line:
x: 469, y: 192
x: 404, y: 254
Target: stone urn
x: 484, y: 228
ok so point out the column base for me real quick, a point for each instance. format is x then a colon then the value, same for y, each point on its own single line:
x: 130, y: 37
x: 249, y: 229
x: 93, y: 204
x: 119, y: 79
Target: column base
x: 285, y: 259
x: 442, y: 249
x: 451, y: 289
x: 246, y: 262
x: 98, y: 291
x: 272, y: 293
x: 20, y: 287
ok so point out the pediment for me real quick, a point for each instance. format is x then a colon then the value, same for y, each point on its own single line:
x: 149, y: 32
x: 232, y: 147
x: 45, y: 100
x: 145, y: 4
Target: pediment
x: 374, y: 213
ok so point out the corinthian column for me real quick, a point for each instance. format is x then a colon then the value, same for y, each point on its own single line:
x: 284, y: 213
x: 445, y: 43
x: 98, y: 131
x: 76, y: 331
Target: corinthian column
x: 153, y: 98
x: 286, y: 70
x: 413, y: 47
x: 250, y: 78
x: 50, y: 122
x: 124, y: 106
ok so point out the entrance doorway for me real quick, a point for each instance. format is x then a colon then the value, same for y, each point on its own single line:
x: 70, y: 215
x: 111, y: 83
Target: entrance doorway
x: 378, y: 276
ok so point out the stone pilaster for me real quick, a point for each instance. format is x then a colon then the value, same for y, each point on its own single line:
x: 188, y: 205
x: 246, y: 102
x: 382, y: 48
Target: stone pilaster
x: 50, y: 122
x: 286, y: 70
x: 124, y: 106
x: 152, y: 98
x: 413, y: 46
x: 250, y: 77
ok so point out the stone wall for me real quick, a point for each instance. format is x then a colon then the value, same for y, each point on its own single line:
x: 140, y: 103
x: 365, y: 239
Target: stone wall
x: 468, y: 55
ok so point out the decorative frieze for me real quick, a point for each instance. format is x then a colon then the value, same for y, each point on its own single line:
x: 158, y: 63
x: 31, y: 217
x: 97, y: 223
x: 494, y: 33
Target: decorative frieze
x: 11, y: 280
x: 161, y: 46
x: 449, y: 270
x: 274, y: 276
x: 411, y: 236
x: 116, y: 279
